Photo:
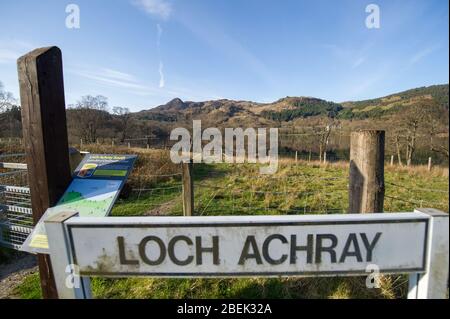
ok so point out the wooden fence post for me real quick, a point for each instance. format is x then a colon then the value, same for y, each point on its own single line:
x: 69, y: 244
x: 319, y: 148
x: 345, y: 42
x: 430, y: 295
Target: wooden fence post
x: 188, y: 189
x: 429, y: 163
x: 366, y: 184
x: 325, y: 157
x: 296, y: 156
x: 392, y: 160
x: 45, y: 138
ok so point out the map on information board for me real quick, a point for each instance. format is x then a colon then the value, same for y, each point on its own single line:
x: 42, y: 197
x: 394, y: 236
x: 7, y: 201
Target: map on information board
x: 96, y: 185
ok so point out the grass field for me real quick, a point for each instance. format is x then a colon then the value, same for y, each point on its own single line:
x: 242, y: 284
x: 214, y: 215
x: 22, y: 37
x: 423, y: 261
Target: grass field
x: 224, y: 189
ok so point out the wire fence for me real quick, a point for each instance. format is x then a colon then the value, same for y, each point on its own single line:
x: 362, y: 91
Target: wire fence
x: 219, y: 190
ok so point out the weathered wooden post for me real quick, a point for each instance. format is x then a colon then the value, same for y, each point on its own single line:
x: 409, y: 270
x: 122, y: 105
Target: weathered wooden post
x: 188, y: 189
x: 429, y: 163
x: 325, y: 157
x: 309, y: 157
x: 296, y: 156
x: 392, y: 160
x: 366, y: 184
x: 45, y: 137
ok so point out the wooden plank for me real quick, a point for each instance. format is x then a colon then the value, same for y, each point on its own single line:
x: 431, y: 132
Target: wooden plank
x: 45, y: 136
x: 188, y: 189
x: 366, y: 185
x: 13, y: 165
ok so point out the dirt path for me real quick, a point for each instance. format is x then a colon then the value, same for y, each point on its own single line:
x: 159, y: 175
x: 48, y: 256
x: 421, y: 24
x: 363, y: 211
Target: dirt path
x: 13, y: 273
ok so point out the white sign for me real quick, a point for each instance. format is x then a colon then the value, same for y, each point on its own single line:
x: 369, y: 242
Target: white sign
x: 249, y: 246
x: 310, y: 245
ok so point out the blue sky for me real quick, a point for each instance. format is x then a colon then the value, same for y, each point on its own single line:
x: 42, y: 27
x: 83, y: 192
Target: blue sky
x: 142, y: 53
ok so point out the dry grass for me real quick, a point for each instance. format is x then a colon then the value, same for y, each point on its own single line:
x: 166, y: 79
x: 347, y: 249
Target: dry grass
x: 238, y: 186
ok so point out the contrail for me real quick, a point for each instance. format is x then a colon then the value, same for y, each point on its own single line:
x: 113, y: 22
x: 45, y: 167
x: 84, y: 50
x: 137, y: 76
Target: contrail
x: 161, y: 75
x: 161, y: 65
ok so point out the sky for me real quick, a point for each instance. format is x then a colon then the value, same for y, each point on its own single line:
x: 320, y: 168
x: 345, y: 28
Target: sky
x: 143, y: 53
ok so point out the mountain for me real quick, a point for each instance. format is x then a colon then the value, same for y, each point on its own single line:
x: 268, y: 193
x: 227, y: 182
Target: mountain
x: 288, y: 109
x: 398, y: 102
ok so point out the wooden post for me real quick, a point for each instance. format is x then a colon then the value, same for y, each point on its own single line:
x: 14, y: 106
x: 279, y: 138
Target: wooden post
x: 296, y: 157
x: 188, y: 189
x: 45, y: 138
x: 429, y: 163
x: 325, y: 157
x: 392, y: 160
x: 366, y: 185
x: 309, y: 157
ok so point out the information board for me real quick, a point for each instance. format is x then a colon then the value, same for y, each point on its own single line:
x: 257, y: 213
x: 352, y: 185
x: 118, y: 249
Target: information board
x: 96, y: 185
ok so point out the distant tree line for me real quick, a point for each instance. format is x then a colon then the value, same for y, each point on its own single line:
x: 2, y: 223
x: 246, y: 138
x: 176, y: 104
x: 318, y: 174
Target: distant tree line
x: 303, y: 109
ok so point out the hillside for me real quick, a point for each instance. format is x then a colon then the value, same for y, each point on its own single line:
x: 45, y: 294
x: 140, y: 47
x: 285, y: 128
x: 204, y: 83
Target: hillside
x: 247, y: 113
x: 398, y: 102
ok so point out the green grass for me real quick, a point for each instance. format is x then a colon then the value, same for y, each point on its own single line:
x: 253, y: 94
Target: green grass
x: 30, y: 288
x: 223, y: 189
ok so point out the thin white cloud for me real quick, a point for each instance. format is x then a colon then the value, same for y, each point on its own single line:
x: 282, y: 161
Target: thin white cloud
x: 10, y: 51
x: 118, y: 75
x: 352, y: 57
x: 161, y: 65
x: 158, y: 8
x: 362, y: 85
x: 114, y: 78
x: 422, y: 54
x: 161, y: 75
x: 358, y: 62
x: 8, y: 56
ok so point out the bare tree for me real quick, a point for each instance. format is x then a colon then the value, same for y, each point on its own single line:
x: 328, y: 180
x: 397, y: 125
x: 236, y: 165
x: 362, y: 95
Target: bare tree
x: 90, y: 114
x: 10, y: 124
x: 413, y: 120
x: 6, y: 99
x: 322, y: 131
x: 124, y: 116
x: 436, y: 120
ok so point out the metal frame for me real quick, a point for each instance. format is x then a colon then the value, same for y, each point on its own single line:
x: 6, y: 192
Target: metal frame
x: 17, y: 222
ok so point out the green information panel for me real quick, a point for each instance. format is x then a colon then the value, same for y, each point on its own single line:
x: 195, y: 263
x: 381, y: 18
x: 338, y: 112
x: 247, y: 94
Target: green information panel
x: 96, y: 185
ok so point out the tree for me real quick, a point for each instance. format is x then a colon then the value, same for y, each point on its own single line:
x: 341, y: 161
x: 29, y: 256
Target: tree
x: 435, y: 120
x: 413, y: 120
x: 123, y: 113
x: 91, y: 112
x: 323, y: 131
x: 10, y: 118
x: 420, y: 118
x: 6, y: 99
